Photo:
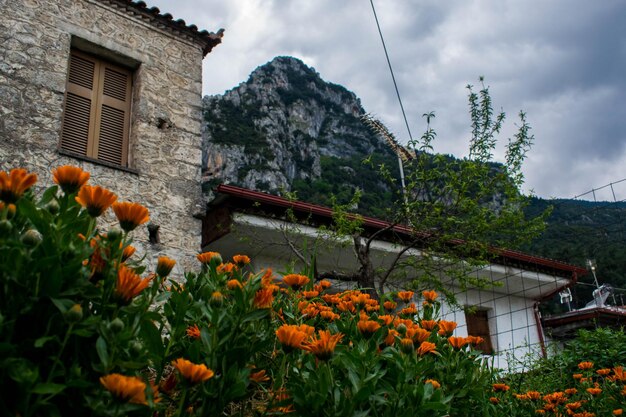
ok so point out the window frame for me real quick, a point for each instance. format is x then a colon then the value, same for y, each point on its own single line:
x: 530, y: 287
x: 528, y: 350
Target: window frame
x: 98, y: 100
x: 477, y: 319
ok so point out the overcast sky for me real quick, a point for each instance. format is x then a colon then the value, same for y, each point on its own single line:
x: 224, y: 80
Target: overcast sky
x: 561, y: 61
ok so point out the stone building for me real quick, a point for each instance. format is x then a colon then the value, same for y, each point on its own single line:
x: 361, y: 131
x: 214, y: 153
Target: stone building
x: 114, y: 87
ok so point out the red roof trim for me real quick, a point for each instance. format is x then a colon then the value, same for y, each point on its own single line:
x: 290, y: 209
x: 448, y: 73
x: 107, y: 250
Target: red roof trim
x: 380, y: 224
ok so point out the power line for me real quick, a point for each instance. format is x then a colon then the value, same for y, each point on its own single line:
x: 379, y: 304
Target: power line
x: 382, y: 39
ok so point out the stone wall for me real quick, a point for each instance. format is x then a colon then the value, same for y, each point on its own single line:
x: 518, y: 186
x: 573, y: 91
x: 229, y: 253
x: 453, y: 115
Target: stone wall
x: 165, y: 143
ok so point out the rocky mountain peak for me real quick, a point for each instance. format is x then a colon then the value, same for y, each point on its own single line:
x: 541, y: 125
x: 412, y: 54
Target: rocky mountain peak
x: 282, y: 126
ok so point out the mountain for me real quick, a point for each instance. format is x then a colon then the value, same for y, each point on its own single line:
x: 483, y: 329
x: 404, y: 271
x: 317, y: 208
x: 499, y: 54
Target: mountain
x: 285, y: 129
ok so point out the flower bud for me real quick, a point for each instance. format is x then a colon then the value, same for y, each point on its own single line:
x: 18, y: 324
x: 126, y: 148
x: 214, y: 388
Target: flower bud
x: 116, y: 326
x: 5, y: 227
x: 217, y: 299
x: 31, y: 238
x: 136, y: 347
x: 11, y: 209
x: 401, y: 328
x: 74, y: 314
x: 114, y: 233
x: 53, y: 207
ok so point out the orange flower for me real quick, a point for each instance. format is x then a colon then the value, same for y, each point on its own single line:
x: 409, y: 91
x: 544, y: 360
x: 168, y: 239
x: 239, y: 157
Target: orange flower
x: 500, y: 387
x: 128, y: 252
x: 585, y: 365
x: 618, y: 412
x: 433, y: 382
x: 389, y: 305
x: 533, y: 395
x: 367, y: 327
x: 95, y: 199
x: 603, y: 372
x: 573, y: 406
x: 70, y: 178
x: 231, y: 284
x: 405, y: 296
x: 577, y: 376
x: 410, y: 310
x: 418, y: 335
x: 594, y: 391
x: 129, y: 284
x: 386, y: 319
x: 426, y: 347
x: 494, y: 400
x: 325, y: 284
x: 446, y: 327
x: 193, y: 372
x: 329, y: 315
x: 14, y: 184
x: 208, y: 257
x: 428, y: 324
x: 291, y: 337
x: 540, y: 411
x: 619, y: 374
x: 226, y: 268
x: 324, y: 345
x: 296, y: 281
x: 571, y: 391
x: 457, y: 342
x: 164, y: 266
x: 264, y: 298
x: 193, y: 331
x: 310, y: 294
x: 406, y: 344
x: 260, y: 376
x: 128, y: 388
x: 130, y: 215
x: 475, y: 340
x: 241, y: 260
x: 430, y: 296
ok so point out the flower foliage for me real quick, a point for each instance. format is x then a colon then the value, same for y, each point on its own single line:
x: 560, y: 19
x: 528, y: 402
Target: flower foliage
x: 87, y: 330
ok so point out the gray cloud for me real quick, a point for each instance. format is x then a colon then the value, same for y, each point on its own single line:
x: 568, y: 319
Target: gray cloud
x: 562, y: 61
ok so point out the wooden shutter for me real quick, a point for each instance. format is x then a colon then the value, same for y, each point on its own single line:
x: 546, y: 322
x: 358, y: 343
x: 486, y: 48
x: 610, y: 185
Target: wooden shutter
x: 478, y: 325
x: 97, y: 110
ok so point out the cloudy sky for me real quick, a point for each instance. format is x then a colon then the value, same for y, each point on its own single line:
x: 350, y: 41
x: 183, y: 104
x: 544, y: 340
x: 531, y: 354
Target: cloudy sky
x: 561, y: 61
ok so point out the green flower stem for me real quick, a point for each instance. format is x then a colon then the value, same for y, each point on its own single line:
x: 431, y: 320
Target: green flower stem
x: 181, y: 404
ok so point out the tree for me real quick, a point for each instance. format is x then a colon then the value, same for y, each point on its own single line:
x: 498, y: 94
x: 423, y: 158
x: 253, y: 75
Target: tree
x: 458, y: 210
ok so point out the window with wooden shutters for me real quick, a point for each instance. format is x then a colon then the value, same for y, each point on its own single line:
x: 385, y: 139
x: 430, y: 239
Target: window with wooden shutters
x: 96, y: 118
x: 478, y: 325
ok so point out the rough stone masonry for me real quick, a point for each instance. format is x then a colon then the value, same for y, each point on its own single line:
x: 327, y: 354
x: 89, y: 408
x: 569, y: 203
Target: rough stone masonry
x: 164, y: 165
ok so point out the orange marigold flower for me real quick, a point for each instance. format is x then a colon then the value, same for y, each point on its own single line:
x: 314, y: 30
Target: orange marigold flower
x: 406, y: 344
x: 619, y: 374
x: 430, y: 296
x: 296, y: 281
x: 555, y: 398
x: 603, y: 372
x: 577, y: 376
x: 405, y: 296
x: 128, y: 252
x: 533, y: 395
x: 500, y: 387
x: 389, y: 305
x: 618, y: 412
x: 291, y: 337
x: 217, y: 299
x: 193, y: 331
x: 324, y: 345
x: 390, y: 339
x: 571, y: 391
x: 70, y: 178
x: 329, y: 315
x: 325, y: 284
x: 367, y: 327
x: 574, y: 406
x: 130, y: 215
x: 494, y: 400
x: 164, y: 266
x: 446, y: 327
x: 241, y: 260
x: 260, y: 376
x: 475, y: 340
x: 386, y: 319
x: 426, y: 347
x: 594, y: 391
x: 14, y: 184
x: 417, y: 334
x: 95, y: 199
x: 540, y: 411
x: 193, y: 372
x: 129, y: 284
x: 128, y: 388
x: 585, y: 365
x: 457, y: 342
x: 433, y: 382
x: 263, y: 298
x: 208, y: 257
x: 231, y: 284
x: 428, y: 324
x: 310, y: 294
x: 410, y: 310
x: 226, y: 268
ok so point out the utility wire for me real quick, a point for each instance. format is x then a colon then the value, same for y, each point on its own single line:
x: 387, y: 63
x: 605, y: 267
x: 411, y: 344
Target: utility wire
x: 406, y: 122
